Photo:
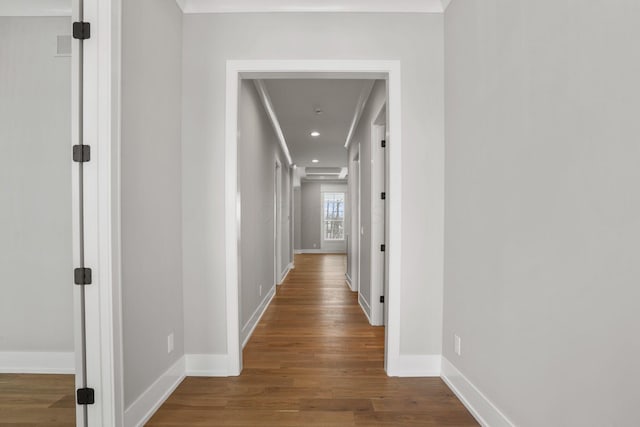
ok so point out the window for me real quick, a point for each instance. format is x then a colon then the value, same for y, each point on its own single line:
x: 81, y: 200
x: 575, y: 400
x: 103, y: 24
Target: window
x: 333, y: 216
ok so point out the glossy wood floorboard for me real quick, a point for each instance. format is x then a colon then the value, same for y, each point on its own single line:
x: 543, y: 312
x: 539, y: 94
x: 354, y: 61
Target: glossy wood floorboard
x: 313, y: 360
x: 37, y: 400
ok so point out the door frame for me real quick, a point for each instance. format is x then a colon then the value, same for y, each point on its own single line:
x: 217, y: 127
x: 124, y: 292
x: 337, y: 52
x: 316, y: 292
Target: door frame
x: 360, y: 69
x: 378, y: 216
x: 358, y: 218
x: 277, y: 223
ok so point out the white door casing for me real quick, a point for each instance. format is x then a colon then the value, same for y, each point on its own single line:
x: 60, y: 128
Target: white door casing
x: 389, y: 70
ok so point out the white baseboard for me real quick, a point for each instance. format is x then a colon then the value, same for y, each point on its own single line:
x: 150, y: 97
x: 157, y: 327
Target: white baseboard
x: 484, y: 411
x: 349, y: 282
x: 366, y: 308
x: 320, y: 251
x: 250, y: 326
x: 415, y: 365
x: 285, y: 273
x: 37, y: 362
x: 150, y: 401
x: 207, y: 365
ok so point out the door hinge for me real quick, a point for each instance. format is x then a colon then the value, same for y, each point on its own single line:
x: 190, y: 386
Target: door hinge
x: 82, y: 276
x: 81, y: 153
x: 383, y: 195
x: 382, y: 299
x: 81, y: 30
x: 382, y: 248
x: 85, y: 396
x: 383, y: 143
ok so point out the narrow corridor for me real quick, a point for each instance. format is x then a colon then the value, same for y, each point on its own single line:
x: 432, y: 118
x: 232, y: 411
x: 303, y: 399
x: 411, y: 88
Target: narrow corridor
x: 314, y: 360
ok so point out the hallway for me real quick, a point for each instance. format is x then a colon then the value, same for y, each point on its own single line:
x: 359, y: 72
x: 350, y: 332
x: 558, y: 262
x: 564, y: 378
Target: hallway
x: 313, y: 360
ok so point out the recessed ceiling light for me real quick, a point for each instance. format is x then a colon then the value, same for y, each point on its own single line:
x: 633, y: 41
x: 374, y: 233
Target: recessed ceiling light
x: 315, y: 161
x: 315, y: 133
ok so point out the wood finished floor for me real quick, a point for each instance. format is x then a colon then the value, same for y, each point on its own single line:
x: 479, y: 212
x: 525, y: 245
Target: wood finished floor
x: 313, y: 360
x: 37, y: 400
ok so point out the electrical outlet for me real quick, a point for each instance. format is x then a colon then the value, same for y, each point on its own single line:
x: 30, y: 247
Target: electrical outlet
x: 457, y: 345
x: 260, y: 289
x: 170, y: 343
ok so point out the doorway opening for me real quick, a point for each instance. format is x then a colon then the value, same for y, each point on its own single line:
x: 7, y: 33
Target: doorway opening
x: 389, y: 73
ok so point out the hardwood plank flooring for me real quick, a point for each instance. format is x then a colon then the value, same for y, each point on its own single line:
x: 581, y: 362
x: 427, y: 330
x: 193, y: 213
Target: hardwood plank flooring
x: 313, y: 360
x: 37, y: 400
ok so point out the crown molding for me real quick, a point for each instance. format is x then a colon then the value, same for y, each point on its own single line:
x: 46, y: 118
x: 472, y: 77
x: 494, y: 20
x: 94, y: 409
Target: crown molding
x: 365, y: 92
x: 362, y: 6
x: 268, y: 107
x: 35, y: 8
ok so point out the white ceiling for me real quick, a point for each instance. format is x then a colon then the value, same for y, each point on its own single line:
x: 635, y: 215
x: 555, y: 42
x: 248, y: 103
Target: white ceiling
x: 294, y: 102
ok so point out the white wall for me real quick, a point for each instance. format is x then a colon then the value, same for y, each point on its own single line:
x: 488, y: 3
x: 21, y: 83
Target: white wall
x: 361, y: 144
x: 210, y: 40
x: 543, y: 208
x: 36, y: 268
x: 151, y: 191
x: 258, y: 149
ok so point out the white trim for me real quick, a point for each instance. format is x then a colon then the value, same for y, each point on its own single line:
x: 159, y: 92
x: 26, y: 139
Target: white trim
x: 268, y: 107
x: 35, y: 8
x: 208, y: 365
x: 366, y: 308
x: 319, y: 251
x: 362, y: 103
x: 483, y: 410
x: 232, y: 219
x: 182, y: 4
x: 277, y: 222
x: 285, y: 273
x: 240, y: 6
x: 153, y: 397
x: 37, y: 362
x: 257, y: 315
x: 349, y: 282
x: 256, y: 69
x: 418, y: 365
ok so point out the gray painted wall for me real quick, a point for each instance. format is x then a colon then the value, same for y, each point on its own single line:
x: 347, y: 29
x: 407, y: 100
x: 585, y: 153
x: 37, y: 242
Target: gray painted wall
x: 258, y: 149
x: 151, y: 191
x: 35, y: 187
x: 311, y: 229
x: 362, y: 139
x: 543, y: 208
x: 210, y: 40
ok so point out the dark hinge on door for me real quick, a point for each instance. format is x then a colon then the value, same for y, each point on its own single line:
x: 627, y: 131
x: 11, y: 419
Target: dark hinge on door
x: 85, y: 396
x: 383, y: 195
x: 82, y: 276
x: 382, y: 299
x: 81, y: 30
x: 382, y: 248
x: 81, y: 153
x: 383, y: 143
